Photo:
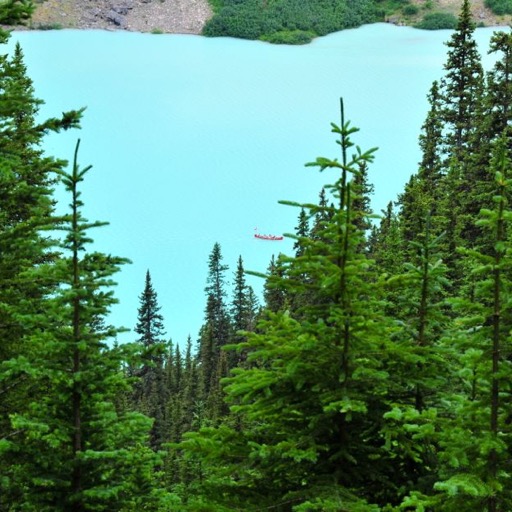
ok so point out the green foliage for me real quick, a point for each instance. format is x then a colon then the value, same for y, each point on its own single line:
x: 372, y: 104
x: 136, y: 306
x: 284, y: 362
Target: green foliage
x: 300, y: 406
x: 289, y: 37
x: 49, y: 26
x: 244, y: 304
x: 71, y: 449
x: 216, y: 331
x: 410, y: 10
x: 499, y: 7
x: 150, y: 394
x: 287, y: 21
x: 465, y: 485
x: 15, y: 12
x: 150, y: 327
x: 451, y: 185
x: 437, y: 21
x: 377, y: 377
x: 480, y: 469
x: 26, y: 218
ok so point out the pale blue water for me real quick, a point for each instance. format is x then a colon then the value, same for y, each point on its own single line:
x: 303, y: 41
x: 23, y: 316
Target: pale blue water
x: 194, y: 140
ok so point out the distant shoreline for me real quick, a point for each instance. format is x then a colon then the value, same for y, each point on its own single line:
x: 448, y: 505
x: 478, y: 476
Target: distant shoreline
x: 186, y: 16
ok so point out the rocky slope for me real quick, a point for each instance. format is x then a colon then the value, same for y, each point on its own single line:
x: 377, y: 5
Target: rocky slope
x: 169, y: 16
x: 481, y: 14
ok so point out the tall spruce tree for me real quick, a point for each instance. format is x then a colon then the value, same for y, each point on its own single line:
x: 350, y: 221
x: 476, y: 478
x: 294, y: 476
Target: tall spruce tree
x: 385, y: 242
x: 362, y: 190
x: 423, y: 194
x: 216, y: 330
x: 419, y: 365
x: 461, y: 94
x: 151, y: 390
x: 461, y: 86
x: 150, y: 322
x: 451, y: 144
x: 302, y: 240
x: 26, y: 218
x: 71, y: 450
x: 322, y: 214
x: 499, y: 84
x: 244, y: 304
x: 310, y: 399
x: 274, y: 293
x: 301, y: 232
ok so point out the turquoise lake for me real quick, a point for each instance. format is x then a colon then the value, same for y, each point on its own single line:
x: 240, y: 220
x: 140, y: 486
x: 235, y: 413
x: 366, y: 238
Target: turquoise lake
x: 195, y: 140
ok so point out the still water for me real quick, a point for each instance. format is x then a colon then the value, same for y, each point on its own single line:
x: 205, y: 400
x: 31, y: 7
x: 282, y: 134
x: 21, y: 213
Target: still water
x: 194, y: 140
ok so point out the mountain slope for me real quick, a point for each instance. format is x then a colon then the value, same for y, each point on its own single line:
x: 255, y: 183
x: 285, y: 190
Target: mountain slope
x: 190, y: 16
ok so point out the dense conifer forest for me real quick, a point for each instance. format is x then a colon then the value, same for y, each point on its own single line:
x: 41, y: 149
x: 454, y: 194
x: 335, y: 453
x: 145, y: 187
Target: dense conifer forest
x: 299, y: 21
x: 374, y: 376
x: 288, y: 21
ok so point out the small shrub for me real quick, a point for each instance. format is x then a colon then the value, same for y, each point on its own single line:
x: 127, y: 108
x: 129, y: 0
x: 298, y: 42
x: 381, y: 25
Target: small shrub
x: 48, y: 26
x: 410, y: 10
x: 157, y: 31
x: 437, y: 21
x: 289, y: 37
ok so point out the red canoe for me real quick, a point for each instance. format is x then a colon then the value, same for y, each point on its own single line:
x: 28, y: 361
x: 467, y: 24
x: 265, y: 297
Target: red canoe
x: 268, y: 237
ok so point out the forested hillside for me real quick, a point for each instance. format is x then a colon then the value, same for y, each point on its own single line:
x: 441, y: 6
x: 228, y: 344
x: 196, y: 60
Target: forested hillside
x: 375, y: 376
x: 299, y: 21
x: 277, y: 21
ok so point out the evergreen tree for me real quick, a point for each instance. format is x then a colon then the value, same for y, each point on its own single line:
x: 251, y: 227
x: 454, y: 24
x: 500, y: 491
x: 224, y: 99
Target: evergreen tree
x: 301, y: 246
x: 71, y: 449
x: 216, y: 330
x: 362, y: 190
x: 474, y: 427
x: 215, y: 313
x: 186, y: 414
x: 151, y: 391
x: 190, y: 390
x: 322, y: 214
x: 301, y: 232
x: 273, y: 291
x: 461, y: 98
x: 461, y: 87
x: 419, y: 365
x: 385, y: 243
x: 311, y: 399
x: 423, y: 194
x: 173, y: 368
x: 492, y: 119
x: 452, y: 144
x: 14, y: 12
x: 26, y: 217
x: 150, y: 322
x: 244, y: 305
x: 430, y: 140
x: 499, y: 85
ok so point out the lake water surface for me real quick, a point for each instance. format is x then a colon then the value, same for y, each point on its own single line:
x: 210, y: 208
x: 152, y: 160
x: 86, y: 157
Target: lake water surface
x: 194, y: 140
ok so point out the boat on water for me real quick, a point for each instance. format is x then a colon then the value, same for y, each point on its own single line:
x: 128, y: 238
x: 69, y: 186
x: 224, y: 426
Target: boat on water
x: 268, y: 237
